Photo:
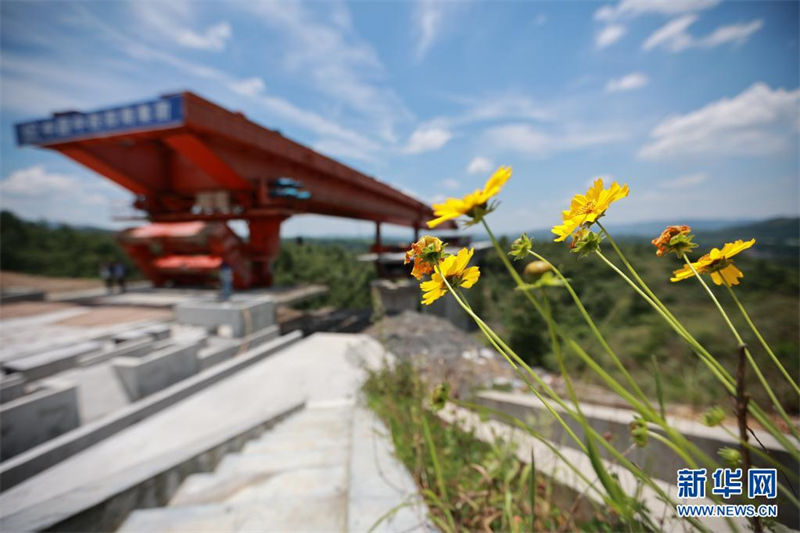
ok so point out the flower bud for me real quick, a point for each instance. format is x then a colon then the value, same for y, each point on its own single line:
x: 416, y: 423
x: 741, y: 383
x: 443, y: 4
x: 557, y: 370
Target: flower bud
x: 730, y: 456
x: 521, y: 247
x: 714, y: 416
x: 638, y: 429
x: 585, y: 242
x: 535, y: 269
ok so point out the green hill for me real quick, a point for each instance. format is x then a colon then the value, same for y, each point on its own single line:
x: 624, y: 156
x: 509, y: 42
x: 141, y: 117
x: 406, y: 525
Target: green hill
x: 55, y: 249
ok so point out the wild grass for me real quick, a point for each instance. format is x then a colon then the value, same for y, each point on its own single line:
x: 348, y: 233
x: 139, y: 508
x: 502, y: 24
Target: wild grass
x: 467, y: 484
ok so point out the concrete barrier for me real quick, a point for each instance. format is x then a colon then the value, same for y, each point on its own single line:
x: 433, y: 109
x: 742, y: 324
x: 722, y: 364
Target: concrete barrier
x: 242, y: 313
x: 656, y: 458
x: 155, y: 332
x: 393, y: 297
x: 12, y: 295
x: 449, y: 309
x: 581, y: 495
x: 38, y: 417
x: 51, y: 362
x: 132, y: 348
x: 151, y: 484
x: 12, y: 386
x: 30, y: 463
x: 219, y: 349
x: 142, y: 376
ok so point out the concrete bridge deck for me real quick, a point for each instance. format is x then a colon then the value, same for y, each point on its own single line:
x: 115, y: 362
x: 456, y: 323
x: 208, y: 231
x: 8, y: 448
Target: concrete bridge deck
x: 323, y: 371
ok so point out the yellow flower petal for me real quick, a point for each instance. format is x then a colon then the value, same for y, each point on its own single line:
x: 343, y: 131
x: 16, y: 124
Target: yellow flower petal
x: 681, y: 274
x: 732, y: 248
x: 470, y: 277
x: 727, y: 276
x: 453, y: 208
x: 585, y: 209
x: 436, y: 221
x: 567, y: 228
x: 462, y: 260
x: 496, y: 181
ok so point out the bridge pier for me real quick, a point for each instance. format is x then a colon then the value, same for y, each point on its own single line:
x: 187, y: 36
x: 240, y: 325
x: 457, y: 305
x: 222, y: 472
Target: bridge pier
x: 264, y: 246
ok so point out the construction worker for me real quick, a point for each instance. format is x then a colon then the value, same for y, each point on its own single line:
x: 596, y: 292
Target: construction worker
x: 225, y: 280
x: 118, y: 272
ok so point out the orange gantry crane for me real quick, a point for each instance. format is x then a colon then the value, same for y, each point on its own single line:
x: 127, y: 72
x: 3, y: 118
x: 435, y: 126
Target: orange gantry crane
x: 193, y: 166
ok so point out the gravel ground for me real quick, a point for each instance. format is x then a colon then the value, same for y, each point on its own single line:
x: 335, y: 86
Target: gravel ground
x: 443, y: 352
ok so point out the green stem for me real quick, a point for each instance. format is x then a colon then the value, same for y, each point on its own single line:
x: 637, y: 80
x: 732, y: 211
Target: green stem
x: 717, y: 369
x: 647, y: 411
x: 761, y: 339
x: 712, y: 363
x: 763, y: 454
x: 630, y: 268
x: 749, y: 356
x: 669, y: 444
x: 599, y: 336
x: 502, y: 347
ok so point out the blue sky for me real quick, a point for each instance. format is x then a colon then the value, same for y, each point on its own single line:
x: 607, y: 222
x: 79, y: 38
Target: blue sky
x: 694, y: 103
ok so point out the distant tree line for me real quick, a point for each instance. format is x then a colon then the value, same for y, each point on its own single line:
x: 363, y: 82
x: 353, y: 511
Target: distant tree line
x: 56, y: 250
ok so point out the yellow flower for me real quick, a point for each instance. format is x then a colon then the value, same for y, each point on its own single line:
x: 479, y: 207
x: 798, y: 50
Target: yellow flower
x: 585, y: 209
x: 474, y: 204
x: 718, y: 263
x: 454, y: 269
x: 425, y: 253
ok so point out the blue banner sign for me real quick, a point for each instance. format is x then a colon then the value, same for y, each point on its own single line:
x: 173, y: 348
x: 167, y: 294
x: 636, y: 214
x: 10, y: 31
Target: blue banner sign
x: 74, y: 125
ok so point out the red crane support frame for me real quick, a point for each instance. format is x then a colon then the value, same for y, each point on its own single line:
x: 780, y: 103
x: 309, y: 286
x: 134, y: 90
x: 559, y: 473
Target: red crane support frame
x: 201, y: 153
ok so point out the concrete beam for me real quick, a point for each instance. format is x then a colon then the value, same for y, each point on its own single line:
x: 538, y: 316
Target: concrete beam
x: 243, y: 314
x: 51, y: 362
x: 143, y: 376
x: 48, y: 454
x: 38, y: 417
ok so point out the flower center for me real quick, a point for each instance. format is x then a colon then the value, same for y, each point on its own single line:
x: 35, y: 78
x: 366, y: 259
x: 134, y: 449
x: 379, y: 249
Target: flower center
x: 587, y: 208
x: 719, y: 264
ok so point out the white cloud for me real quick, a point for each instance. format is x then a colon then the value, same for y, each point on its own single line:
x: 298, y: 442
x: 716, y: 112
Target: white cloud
x: 172, y: 20
x: 214, y: 38
x: 687, y: 180
x: 248, y: 86
x: 344, y: 149
x: 613, y: 15
x: 635, y: 8
x: 609, y: 35
x: 426, y: 139
x: 674, y: 37
x: 525, y: 139
x: 36, y: 84
x: 34, y: 181
x: 479, y: 165
x: 428, y: 16
x: 758, y: 121
x: 450, y: 184
x: 629, y: 82
x: 540, y: 19
x: 493, y: 108
x: 331, y: 132
x: 37, y: 193
x: 333, y: 61
x: 734, y: 33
